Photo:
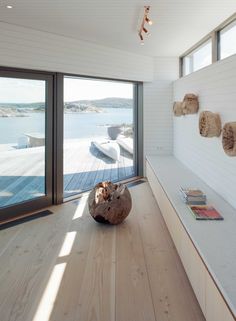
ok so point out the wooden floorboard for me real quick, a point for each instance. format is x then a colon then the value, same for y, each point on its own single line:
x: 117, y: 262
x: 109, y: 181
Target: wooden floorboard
x: 7, y: 237
x: 27, y: 263
x: 166, y: 274
x: 67, y: 267
x: 133, y: 295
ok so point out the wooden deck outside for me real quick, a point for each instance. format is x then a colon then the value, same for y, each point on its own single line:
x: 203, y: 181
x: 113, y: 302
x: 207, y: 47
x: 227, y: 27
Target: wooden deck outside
x: 85, y: 165
x: 22, y: 171
x: 67, y: 267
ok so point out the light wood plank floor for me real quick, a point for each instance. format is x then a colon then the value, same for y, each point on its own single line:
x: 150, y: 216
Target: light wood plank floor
x: 67, y: 267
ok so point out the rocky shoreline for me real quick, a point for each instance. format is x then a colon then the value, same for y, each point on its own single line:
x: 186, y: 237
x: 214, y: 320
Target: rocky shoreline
x: 20, y: 112
x: 12, y: 112
x: 79, y: 108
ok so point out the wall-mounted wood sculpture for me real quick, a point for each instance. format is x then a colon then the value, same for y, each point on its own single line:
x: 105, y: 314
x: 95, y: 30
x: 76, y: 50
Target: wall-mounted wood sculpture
x: 177, y: 108
x: 189, y: 105
x: 209, y: 124
x: 229, y: 138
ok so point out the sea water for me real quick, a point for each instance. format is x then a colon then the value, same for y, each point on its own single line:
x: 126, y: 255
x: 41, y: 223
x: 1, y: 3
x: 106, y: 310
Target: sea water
x: 76, y: 125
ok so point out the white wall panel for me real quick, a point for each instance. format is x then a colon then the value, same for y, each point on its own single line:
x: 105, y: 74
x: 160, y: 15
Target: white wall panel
x: 27, y: 48
x: 158, y: 101
x: 216, y: 87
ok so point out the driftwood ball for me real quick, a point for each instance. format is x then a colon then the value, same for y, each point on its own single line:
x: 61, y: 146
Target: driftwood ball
x: 209, y: 124
x: 229, y: 138
x: 109, y: 203
x: 177, y: 108
x: 190, y: 104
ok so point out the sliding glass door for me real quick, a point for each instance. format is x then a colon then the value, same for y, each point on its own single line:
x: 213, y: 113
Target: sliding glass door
x: 25, y: 142
x: 99, y: 132
x: 60, y: 135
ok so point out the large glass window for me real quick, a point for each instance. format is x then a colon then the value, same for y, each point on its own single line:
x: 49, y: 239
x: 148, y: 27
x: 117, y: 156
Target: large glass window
x: 24, y: 124
x: 99, y: 118
x: 227, y: 41
x: 221, y: 44
x: 98, y: 132
x: 199, y: 58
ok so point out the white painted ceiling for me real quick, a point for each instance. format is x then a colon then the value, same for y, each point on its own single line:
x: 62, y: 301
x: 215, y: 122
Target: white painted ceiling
x: 178, y: 24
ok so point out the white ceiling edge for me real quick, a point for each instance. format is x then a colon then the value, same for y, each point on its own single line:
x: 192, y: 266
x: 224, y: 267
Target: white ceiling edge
x: 23, y: 47
x: 178, y: 25
x: 81, y: 40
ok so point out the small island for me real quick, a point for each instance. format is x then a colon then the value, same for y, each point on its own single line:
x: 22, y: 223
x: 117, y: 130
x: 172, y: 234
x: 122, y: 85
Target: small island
x: 11, y: 112
x: 77, y: 107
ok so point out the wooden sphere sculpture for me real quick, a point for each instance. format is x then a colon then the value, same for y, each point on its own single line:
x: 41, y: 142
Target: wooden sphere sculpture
x: 229, y: 138
x: 190, y: 104
x: 209, y: 124
x: 109, y: 203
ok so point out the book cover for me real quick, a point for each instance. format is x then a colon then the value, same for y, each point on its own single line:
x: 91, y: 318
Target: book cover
x: 205, y: 212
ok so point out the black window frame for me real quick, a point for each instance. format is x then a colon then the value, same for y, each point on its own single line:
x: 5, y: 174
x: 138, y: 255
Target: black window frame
x: 21, y: 208
x: 233, y: 22
x: 208, y: 39
x: 59, y: 131
x: 215, y: 37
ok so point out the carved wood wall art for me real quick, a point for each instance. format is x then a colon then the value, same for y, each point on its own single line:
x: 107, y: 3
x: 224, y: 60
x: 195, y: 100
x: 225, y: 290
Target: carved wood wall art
x: 177, y: 108
x: 190, y: 104
x: 109, y: 203
x: 209, y: 124
x: 229, y: 138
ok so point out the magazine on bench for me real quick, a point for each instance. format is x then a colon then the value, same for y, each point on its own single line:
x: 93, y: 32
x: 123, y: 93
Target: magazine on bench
x: 205, y: 212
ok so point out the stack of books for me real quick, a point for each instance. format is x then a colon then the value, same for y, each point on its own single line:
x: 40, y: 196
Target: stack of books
x: 192, y: 196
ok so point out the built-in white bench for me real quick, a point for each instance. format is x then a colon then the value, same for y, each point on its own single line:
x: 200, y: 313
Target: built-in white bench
x: 207, y: 248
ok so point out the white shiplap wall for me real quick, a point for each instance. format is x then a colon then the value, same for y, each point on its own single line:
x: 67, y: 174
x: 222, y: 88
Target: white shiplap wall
x: 158, y: 101
x: 27, y: 48
x: 216, y: 87
x: 31, y: 49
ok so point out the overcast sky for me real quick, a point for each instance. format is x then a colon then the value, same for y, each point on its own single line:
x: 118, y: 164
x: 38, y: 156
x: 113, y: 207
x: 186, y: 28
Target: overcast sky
x: 29, y: 91
x: 77, y: 89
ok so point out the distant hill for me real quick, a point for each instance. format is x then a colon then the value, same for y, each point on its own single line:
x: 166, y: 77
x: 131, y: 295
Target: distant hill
x: 111, y: 102
x: 24, y: 106
x: 79, y: 106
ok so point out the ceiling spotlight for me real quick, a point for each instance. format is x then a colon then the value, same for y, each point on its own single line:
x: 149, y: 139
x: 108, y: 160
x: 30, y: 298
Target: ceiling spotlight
x: 149, y: 21
x: 145, y: 19
x: 9, y: 7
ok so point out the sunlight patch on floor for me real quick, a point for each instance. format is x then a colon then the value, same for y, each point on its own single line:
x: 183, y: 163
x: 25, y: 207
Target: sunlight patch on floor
x: 67, y: 244
x: 81, y: 206
x: 46, y: 304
